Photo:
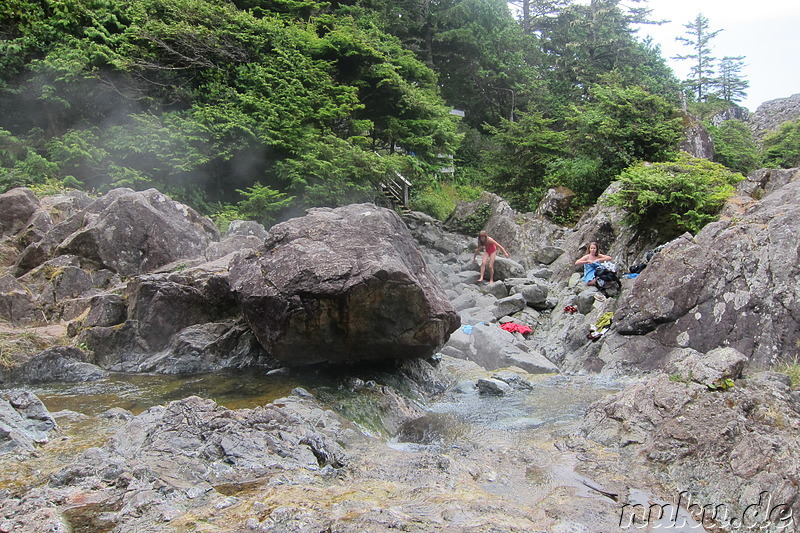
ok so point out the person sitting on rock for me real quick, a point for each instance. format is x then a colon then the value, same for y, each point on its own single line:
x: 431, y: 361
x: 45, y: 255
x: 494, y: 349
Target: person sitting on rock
x: 489, y: 247
x: 590, y: 262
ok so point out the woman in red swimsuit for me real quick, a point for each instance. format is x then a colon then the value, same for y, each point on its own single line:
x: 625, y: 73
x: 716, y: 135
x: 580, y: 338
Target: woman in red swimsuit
x: 489, y: 247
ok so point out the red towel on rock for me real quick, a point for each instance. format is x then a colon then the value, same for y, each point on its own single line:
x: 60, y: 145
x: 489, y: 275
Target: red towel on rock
x: 519, y: 328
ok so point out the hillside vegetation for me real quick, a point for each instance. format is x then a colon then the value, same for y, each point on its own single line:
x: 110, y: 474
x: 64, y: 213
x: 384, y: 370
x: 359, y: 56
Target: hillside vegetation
x: 260, y: 109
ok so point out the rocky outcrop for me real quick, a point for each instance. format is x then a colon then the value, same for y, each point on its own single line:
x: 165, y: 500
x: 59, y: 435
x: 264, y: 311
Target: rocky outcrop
x: 556, y: 204
x: 60, y: 288
x: 179, y: 321
x: 69, y: 247
x: 770, y: 115
x: 604, y: 225
x: 732, y: 113
x: 17, y: 206
x: 126, y: 231
x: 241, y: 234
x: 698, y: 141
x: 762, y: 182
x: 17, y: 304
x: 523, y: 235
x: 735, y: 284
x: 340, y: 285
x: 137, y: 232
x: 57, y: 364
x: 720, y: 447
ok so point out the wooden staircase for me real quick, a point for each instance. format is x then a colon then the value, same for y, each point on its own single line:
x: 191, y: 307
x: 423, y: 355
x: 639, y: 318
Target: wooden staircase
x: 395, y: 190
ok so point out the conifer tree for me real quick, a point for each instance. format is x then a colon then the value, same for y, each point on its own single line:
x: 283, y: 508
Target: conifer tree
x: 698, y: 37
x: 532, y: 14
x: 730, y: 83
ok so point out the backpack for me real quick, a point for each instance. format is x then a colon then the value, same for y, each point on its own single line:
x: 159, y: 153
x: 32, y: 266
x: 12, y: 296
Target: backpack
x: 607, y: 280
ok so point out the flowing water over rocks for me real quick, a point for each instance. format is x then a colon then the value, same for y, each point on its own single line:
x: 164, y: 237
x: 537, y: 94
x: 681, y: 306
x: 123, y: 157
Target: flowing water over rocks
x: 471, y: 462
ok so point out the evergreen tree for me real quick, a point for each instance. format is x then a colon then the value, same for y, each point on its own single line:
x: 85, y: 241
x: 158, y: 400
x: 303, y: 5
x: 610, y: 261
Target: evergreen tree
x: 782, y: 147
x: 201, y: 99
x: 588, y: 41
x: 701, y: 76
x: 730, y: 83
x: 734, y: 146
x: 533, y: 14
x: 517, y: 165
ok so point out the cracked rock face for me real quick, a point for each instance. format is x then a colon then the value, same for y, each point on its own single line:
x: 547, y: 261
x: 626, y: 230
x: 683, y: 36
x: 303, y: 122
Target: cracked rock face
x: 341, y: 285
x: 136, y: 232
x: 712, y: 290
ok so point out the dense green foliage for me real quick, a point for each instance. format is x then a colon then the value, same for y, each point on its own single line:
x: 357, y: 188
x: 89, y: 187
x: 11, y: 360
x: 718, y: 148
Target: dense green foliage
x: 440, y: 199
x: 674, y: 197
x: 734, y: 146
x: 200, y: 99
x: 782, y: 148
x: 517, y: 167
x: 621, y: 126
x: 261, y: 108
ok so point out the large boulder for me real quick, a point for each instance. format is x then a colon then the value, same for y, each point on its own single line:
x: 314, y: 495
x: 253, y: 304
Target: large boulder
x: 58, y: 364
x: 241, y: 234
x: 342, y: 285
x: 491, y: 347
x: 556, y: 203
x: 735, y: 284
x: 17, y: 304
x: 180, y: 319
x: 698, y: 141
x: 16, y: 208
x: 136, y: 232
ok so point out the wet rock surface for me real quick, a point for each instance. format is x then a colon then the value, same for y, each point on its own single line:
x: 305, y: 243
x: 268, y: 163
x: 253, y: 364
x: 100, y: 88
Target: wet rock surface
x: 297, y: 465
x: 24, y: 422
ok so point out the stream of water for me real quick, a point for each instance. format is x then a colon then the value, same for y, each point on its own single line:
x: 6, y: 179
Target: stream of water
x: 551, y: 402
x: 525, y: 423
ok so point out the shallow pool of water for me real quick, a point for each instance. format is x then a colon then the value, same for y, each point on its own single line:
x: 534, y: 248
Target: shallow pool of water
x: 551, y: 402
x: 138, y: 392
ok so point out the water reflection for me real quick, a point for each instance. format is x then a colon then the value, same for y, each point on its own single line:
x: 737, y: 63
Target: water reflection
x: 138, y: 392
x: 552, y: 401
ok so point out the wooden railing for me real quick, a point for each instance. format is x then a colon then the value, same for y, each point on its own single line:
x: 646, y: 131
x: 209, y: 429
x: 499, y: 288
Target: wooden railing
x: 395, y: 189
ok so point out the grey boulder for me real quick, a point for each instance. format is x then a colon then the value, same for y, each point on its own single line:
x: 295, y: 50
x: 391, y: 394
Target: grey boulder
x: 341, y: 285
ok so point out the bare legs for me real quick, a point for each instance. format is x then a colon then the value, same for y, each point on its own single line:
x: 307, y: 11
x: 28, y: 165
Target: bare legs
x: 488, y: 261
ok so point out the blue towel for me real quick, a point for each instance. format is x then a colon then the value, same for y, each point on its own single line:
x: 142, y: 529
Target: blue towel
x: 466, y: 328
x: 588, y: 271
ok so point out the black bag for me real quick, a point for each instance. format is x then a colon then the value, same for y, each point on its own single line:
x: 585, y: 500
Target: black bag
x: 606, y: 280
x: 637, y: 268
